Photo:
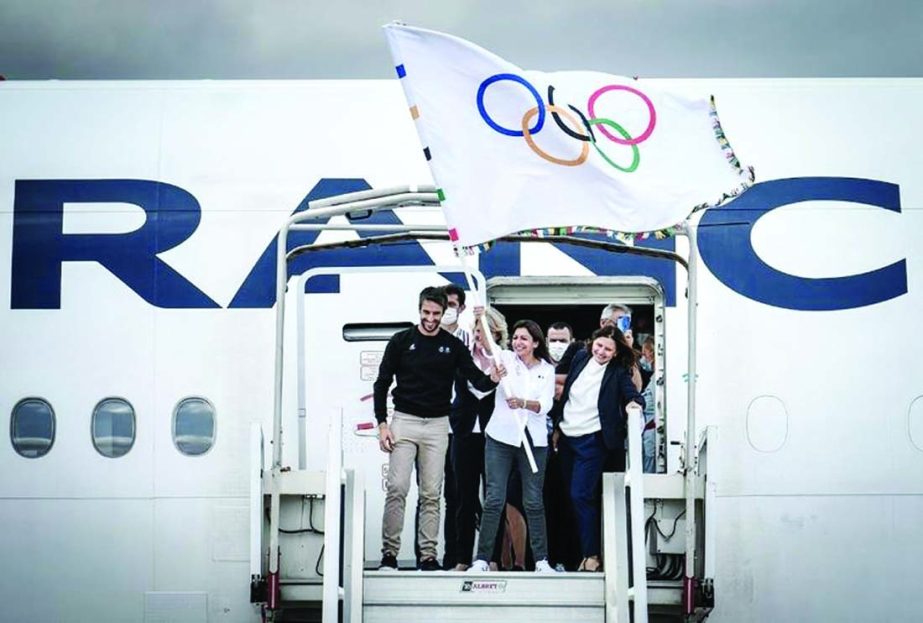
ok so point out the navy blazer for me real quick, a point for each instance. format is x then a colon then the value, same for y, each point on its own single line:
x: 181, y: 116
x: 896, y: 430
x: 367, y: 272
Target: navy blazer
x: 615, y: 391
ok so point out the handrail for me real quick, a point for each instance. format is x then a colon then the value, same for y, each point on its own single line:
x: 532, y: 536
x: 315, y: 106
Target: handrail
x: 692, y: 303
x: 634, y: 479
x: 353, y: 575
x: 332, y: 500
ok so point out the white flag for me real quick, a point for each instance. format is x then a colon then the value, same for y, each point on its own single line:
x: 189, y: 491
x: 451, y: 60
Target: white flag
x: 519, y: 151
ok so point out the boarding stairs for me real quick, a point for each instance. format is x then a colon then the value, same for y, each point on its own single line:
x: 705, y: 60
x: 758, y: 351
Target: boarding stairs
x: 343, y: 590
x: 286, y: 580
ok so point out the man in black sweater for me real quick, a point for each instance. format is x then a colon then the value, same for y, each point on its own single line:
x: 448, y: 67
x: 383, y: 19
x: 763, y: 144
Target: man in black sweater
x: 423, y: 360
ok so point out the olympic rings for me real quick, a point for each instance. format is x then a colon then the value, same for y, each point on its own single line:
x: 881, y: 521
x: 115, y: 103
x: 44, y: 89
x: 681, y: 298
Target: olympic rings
x: 523, y: 82
x: 650, y: 108
x: 555, y: 110
x: 585, y: 122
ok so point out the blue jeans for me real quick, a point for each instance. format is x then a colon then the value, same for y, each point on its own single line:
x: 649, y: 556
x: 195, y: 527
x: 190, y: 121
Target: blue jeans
x: 648, y: 450
x: 499, y: 460
x: 583, y: 458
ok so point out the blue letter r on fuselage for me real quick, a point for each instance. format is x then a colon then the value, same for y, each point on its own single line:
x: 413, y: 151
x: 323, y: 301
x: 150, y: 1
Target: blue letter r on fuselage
x: 40, y: 245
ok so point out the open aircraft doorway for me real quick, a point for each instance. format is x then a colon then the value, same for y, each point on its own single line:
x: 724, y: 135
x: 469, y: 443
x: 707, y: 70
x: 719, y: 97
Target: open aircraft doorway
x: 579, y: 301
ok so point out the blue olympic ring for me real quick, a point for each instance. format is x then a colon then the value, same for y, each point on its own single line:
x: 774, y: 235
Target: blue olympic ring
x: 538, y: 98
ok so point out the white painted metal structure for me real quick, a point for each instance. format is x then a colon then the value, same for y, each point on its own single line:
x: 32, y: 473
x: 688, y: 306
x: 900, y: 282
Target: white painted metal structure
x: 398, y: 604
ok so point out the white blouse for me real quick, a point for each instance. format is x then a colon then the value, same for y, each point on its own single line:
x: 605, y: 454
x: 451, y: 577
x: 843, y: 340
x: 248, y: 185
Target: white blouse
x: 581, y: 413
x: 536, y: 384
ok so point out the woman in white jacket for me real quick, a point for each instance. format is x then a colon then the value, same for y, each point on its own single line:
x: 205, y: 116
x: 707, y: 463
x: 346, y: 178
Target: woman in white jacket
x: 523, y: 399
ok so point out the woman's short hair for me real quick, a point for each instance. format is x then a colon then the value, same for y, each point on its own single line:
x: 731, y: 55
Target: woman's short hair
x: 497, y: 323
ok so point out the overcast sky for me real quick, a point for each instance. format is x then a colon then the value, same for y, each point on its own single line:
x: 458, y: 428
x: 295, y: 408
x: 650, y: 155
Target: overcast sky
x: 220, y: 39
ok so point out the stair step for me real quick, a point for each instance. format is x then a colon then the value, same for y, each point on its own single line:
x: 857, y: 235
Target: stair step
x: 570, y: 590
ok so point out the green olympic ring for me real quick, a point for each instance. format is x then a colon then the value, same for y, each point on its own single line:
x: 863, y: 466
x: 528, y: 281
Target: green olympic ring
x: 636, y: 154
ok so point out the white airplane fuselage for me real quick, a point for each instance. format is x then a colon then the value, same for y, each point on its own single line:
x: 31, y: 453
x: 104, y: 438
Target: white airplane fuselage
x: 137, y: 262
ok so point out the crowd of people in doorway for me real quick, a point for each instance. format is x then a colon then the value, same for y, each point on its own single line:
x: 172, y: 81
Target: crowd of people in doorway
x: 526, y: 421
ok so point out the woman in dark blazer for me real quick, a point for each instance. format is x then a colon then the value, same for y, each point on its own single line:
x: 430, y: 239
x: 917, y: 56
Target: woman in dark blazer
x: 589, y: 422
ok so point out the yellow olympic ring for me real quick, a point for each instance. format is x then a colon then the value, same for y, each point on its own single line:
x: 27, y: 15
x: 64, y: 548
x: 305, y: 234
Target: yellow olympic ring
x: 526, y: 118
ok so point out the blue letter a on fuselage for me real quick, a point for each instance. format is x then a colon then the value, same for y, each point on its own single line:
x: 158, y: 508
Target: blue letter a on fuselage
x: 259, y: 288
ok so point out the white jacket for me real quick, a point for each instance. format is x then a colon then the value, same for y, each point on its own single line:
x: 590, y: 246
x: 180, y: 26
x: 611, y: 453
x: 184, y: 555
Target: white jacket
x: 535, y: 383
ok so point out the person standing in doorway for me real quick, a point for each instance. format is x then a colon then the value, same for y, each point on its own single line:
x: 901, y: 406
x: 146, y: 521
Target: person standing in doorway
x: 471, y: 412
x: 518, y: 418
x: 455, y: 305
x: 649, y: 436
x: 590, y: 427
x: 423, y: 361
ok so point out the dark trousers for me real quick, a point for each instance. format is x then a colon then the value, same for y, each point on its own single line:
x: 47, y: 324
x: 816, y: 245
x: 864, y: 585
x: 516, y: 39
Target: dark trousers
x: 450, y: 526
x: 467, y: 458
x: 583, y: 459
x: 563, y: 543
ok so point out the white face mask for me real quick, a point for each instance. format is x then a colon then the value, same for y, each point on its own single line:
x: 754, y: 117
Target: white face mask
x: 556, y: 350
x: 450, y: 316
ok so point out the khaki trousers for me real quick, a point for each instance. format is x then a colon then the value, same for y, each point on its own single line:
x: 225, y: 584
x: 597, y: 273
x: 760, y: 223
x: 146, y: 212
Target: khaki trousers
x: 421, y: 442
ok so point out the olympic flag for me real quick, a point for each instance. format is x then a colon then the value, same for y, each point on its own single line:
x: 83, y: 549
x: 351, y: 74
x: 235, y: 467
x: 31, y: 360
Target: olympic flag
x: 528, y: 151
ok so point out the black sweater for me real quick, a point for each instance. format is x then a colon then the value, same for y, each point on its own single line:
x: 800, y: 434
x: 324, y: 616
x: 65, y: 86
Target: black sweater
x: 425, y: 368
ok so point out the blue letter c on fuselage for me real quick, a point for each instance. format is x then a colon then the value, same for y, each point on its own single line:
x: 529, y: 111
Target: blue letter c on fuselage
x: 726, y: 246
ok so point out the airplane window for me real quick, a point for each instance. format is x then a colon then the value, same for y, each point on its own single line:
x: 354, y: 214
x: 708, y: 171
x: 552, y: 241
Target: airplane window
x: 373, y: 332
x: 194, y: 426
x: 113, y: 427
x: 32, y: 427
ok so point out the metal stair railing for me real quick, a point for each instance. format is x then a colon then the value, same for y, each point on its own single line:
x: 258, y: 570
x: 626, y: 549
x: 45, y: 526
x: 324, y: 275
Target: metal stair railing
x: 616, y: 513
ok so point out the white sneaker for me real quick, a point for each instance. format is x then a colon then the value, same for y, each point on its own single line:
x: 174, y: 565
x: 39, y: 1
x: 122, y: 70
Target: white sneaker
x: 480, y: 566
x: 542, y: 566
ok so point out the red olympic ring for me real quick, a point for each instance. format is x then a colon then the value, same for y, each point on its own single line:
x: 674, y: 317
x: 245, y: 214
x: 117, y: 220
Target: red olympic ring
x: 650, y: 108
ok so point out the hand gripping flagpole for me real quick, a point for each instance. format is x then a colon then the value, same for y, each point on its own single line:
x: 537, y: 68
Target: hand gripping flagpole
x: 485, y: 330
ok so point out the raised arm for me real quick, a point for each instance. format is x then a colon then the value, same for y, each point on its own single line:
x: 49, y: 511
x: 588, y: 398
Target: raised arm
x: 471, y: 371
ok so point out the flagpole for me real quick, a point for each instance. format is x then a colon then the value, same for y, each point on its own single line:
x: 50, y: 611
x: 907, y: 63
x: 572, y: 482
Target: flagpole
x: 401, y: 71
x: 485, y: 331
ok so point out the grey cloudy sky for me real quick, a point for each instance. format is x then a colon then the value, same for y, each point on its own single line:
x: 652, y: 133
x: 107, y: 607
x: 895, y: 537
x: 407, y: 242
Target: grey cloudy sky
x: 222, y: 39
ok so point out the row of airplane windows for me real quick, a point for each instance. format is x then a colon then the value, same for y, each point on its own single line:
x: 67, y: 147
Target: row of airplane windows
x: 112, y: 427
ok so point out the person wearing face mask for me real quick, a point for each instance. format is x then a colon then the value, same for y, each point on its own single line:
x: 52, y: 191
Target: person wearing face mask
x: 562, y: 546
x: 455, y: 305
x: 560, y: 343
x: 590, y: 428
x: 560, y: 336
